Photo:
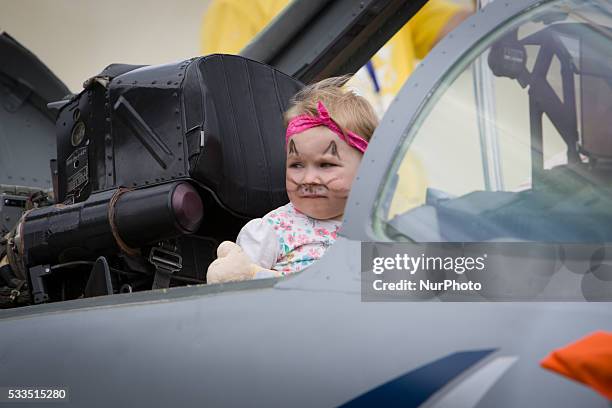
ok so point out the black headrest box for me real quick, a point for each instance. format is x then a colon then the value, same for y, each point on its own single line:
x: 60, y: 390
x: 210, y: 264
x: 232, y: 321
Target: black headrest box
x: 215, y: 120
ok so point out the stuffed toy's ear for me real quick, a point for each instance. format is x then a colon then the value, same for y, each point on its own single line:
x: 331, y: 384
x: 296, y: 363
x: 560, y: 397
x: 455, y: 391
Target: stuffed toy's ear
x: 232, y: 264
x: 226, y: 247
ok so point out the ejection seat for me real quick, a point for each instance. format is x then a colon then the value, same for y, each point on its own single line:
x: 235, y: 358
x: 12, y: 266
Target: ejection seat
x: 577, y: 194
x: 214, y: 121
x: 569, y: 202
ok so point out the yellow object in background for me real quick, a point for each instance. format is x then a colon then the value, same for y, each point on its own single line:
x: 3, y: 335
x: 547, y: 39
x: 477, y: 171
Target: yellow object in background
x: 229, y: 25
x: 395, y: 60
x: 411, y: 186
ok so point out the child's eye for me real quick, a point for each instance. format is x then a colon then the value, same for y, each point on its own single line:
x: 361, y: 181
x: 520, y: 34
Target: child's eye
x: 296, y: 165
x: 325, y: 165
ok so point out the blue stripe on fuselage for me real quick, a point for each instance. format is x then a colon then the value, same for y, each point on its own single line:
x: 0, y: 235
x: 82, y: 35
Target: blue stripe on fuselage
x: 416, y: 386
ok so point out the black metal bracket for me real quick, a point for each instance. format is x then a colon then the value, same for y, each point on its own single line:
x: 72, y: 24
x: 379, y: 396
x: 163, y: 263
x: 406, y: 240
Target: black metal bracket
x: 166, y: 263
x: 99, y: 282
x: 39, y: 291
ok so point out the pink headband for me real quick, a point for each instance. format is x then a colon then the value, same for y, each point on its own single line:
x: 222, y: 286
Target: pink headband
x: 304, y: 122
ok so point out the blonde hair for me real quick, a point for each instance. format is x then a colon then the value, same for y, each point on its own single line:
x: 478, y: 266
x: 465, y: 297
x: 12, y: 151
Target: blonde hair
x: 349, y: 110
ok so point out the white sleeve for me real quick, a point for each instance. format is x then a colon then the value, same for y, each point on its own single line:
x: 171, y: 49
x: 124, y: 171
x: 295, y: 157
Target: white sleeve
x: 259, y: 241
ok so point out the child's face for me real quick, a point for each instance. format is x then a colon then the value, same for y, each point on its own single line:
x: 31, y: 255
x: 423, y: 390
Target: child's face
x: 320, y: 171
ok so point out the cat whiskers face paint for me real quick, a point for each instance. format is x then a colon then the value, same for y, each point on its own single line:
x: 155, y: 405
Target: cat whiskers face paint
x: 320, y: 171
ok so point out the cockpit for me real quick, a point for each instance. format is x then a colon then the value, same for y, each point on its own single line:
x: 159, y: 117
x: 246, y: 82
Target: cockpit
x: 157, y: 165
x: 514, y: 143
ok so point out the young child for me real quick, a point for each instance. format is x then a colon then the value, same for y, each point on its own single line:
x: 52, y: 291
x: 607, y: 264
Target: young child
x: 328, y: 129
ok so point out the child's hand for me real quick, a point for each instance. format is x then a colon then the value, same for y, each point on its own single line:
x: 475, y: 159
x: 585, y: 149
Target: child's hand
x: 232, y: 264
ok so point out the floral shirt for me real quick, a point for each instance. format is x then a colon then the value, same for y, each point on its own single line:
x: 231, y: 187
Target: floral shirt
x: 286, y: 240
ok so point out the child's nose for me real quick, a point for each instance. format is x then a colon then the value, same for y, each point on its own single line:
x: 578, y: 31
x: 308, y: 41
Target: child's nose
x: 311, y: 176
